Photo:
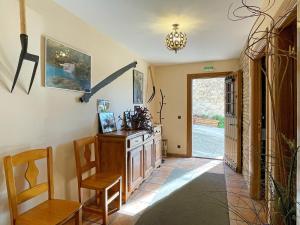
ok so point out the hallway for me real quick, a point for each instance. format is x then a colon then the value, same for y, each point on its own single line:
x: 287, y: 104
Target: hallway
x: 155, y: 189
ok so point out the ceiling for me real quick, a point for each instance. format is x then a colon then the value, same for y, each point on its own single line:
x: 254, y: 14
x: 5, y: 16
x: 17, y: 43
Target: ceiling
x: 141, y: 26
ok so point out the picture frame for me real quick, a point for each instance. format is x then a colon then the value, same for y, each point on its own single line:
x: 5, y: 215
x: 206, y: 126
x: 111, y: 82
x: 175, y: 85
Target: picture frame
x: 107, y: 122
x: 66, y: 67
x: 138, y: 87
x: 127, y: 120
x: 103, y: 105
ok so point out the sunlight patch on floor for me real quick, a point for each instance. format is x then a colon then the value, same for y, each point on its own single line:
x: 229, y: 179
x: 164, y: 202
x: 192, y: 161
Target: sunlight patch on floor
x: 140, y: 204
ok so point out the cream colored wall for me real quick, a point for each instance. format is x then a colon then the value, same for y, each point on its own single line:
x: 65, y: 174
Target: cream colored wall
x: 172, y: 80
x: 51, y: 116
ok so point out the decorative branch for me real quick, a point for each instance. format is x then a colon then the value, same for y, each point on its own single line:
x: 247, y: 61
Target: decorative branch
x: 283, y: 188
x: 162, y: 104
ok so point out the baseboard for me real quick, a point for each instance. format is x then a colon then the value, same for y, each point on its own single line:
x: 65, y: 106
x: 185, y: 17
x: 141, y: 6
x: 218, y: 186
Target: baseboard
x: 177, y: 155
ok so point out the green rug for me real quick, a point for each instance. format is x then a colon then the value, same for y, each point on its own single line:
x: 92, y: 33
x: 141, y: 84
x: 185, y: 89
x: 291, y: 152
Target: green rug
x: 202, y: 201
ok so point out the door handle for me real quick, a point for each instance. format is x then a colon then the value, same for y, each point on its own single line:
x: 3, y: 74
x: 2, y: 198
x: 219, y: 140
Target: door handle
x: 232, y: 124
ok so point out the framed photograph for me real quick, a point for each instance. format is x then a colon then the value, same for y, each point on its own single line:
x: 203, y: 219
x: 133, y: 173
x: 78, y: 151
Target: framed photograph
x: 127, y: 118
x: 107, y: 122
x: 66, y: 68
x: 138, y: 87
x: 103, y: 105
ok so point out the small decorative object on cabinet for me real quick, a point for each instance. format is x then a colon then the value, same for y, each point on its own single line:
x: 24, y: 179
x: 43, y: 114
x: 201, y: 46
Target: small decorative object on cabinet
x: 107, y: 122
x: 133, y: 154
x: 103, y: 105
x: 141, y: 119
x: 66, y: 68
x: 126, y: 125
x: 138, y: 87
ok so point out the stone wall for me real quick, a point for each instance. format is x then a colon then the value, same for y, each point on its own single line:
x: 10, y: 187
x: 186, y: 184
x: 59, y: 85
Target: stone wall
x: 208, y: 97
x: 244, y: 60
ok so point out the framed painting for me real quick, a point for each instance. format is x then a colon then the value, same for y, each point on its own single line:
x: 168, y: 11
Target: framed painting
x: 66, y: 67
x: 107, y: 122
x: 138, y: 87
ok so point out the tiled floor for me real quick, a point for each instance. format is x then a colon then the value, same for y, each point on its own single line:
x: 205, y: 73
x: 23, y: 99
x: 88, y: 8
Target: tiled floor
x: 240, y: 205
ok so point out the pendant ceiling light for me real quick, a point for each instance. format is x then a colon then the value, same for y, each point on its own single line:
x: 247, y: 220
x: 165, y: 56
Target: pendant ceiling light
x: 176, y: 40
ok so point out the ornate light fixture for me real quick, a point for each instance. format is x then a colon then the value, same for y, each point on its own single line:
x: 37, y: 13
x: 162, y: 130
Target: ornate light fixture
x: 176, y: 40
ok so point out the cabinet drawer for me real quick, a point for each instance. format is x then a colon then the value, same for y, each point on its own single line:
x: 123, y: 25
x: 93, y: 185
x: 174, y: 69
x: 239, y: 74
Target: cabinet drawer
x: 131, y: 143
x: 147, y: 137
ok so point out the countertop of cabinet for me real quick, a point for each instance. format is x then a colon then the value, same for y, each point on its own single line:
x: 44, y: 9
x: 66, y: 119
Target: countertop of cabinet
x: 125, y: 133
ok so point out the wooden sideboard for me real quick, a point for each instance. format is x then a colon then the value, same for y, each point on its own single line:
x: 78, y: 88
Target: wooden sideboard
x: 132, y: 154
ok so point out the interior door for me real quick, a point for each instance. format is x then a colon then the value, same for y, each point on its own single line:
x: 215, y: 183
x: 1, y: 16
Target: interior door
x: 233, y: 104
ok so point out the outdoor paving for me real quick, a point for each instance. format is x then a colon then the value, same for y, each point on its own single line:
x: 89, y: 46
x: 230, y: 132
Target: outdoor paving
x: 208, y: 142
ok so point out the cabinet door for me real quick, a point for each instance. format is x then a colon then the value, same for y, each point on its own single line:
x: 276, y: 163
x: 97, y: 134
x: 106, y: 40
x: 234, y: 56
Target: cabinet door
x: 148, y: 158
x: 158, y: 151
x: 135, y: 168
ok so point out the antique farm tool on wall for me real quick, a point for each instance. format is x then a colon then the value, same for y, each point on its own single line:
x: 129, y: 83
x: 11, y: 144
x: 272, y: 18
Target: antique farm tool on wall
x: 24, y: 55
x: 153, y: 86
x: 86, y: 97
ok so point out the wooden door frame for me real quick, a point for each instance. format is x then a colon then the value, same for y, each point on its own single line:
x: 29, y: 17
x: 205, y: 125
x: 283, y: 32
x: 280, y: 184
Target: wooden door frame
x: 255, y: 92
x: 255, y: 108
x: 190, y: 78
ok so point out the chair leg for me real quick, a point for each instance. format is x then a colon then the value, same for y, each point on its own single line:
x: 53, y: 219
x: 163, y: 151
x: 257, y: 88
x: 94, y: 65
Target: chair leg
x: 120, y: 196
x: 78, y: 217
x: 105, y: 206
x: 79, y: 194
x: 98, y: 197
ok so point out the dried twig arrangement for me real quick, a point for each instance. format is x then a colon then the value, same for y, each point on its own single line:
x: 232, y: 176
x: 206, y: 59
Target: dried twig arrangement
x: 282, y: 197
x: 162, y: 103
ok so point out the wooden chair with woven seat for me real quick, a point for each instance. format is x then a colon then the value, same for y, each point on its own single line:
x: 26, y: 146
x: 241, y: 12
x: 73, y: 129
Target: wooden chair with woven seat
x: 108, y: 186
x: 51, y: 211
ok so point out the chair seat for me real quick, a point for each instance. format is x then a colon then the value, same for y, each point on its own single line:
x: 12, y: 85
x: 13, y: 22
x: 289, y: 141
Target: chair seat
x: 100, y: 181
x: 50, y: 212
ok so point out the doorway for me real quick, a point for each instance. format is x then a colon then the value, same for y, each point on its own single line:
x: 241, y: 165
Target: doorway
x: 232, y: 119
x: 208, y: 117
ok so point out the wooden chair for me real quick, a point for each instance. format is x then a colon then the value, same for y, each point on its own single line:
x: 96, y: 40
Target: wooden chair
x: 50, y: 212
x: 108, y: 186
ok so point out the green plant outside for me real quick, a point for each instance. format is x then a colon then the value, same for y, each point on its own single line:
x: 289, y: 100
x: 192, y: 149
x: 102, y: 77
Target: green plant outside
x: 220, y: 118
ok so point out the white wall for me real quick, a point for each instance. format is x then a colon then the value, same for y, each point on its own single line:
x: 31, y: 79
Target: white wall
x: 51, y: 116
x: 172, y: 80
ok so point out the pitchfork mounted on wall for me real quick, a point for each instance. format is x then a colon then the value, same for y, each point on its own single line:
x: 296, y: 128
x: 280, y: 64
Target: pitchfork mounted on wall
x: 24, y: 55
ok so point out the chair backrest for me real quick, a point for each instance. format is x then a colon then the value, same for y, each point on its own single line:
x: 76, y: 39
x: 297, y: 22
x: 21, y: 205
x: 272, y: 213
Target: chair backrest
x: 31, y: 174
x: 84, y: 146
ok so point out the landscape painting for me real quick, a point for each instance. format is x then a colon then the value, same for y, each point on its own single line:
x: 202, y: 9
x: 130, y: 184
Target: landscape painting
x: 66, y: 68
x: 138, y: 87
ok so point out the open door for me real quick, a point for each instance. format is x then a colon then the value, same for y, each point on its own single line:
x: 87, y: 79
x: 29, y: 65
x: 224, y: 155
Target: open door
x: 233, y: 106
